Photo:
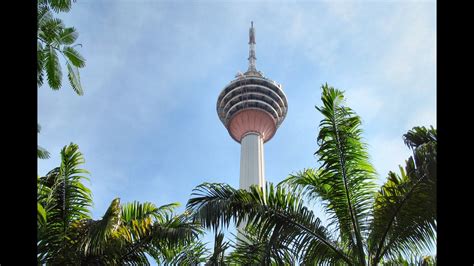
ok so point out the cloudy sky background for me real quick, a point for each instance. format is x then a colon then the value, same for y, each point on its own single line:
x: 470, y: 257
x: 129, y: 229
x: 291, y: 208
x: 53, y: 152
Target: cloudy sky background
x: 147, y: 124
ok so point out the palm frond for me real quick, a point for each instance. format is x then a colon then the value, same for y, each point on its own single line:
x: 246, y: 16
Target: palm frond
x: 53, y: 69
x: 74, y: 79
x: 74, y: 57
x: 40, y: 65
x: 139, y: 211
x: 220, y: 246
x: 67, y: 36
x: 175, y: 230
x: 419, y: 136
x: 156, y: 231
x: 405, y: 208
x: 346, y: 176
x: 43, y: 15
x: 192, y: 254
x: 216, y: 205
x: 49, y: 29
x: 41, y: 216
x: 96, y: 239
x: 42, y: 153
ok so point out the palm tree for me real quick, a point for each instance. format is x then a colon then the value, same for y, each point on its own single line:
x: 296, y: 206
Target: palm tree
x: 65, y: 201
x: 55, y: 38
x: 67, y: 234
x: 366, y: 226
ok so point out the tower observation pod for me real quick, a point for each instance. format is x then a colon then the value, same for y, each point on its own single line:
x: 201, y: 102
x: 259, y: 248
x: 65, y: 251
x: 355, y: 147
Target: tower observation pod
x: 252, y: 107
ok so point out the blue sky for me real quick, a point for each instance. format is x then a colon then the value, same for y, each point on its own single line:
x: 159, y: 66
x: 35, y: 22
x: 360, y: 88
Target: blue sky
x: 147, y: 123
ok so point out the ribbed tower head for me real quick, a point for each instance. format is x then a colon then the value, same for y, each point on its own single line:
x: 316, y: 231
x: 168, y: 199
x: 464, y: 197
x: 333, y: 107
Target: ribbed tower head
x: 252, y: 103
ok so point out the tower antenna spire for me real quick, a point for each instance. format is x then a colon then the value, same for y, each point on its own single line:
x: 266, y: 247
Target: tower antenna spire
x: 252, y: 58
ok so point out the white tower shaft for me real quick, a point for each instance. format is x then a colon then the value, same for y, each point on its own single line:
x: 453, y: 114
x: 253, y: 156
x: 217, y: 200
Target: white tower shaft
x: 252, y: 166
x: 252, y: 169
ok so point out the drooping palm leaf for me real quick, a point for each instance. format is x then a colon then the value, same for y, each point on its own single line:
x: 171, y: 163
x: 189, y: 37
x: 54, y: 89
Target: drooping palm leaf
x: 53, y: 68
x: 42, y: 153
x: 74, y: 79
x: 74, y: 57
x: 216, y: 205
x: 40, y: 65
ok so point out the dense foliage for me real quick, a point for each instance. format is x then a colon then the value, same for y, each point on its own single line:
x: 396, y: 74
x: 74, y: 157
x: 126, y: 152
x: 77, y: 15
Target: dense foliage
x: 67, y: 234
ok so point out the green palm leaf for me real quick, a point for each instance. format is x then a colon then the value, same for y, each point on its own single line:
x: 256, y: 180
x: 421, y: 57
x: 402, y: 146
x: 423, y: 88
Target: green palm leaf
x: 53, y: 69
x: 42, y: 153
x: 74, y: 57
x: 49, y: 29
x: 74, y: 79
x: 67, y: 36
x: 41, y: 215
x: 41, y: 64
x: 99, y: 232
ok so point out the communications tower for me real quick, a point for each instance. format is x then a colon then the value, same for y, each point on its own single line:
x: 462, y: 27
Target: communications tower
x: 252, y: 107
